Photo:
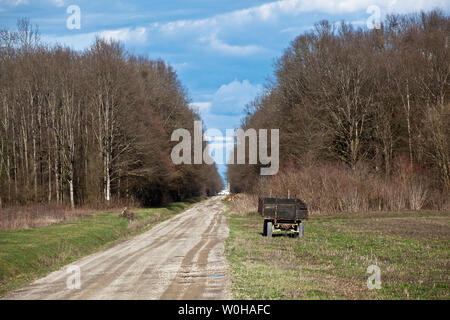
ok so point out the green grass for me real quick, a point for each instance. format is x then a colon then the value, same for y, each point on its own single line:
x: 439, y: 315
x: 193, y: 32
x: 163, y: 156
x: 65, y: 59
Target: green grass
x: 28, y: 254
x: 330, y: 262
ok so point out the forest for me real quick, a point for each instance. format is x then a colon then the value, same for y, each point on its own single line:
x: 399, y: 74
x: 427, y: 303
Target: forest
x: 364, y: 117
x: 91, y: 127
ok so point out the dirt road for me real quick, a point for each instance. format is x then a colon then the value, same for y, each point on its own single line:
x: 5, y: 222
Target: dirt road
x: 181, y: 258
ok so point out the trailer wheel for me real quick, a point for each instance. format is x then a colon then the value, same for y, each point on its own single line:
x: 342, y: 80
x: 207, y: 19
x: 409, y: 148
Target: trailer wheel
x: 265, y: 228
x: 269, y: 229
x: 301, y: 229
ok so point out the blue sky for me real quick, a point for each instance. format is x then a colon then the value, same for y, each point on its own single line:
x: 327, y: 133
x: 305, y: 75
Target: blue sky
x: 222, y: 50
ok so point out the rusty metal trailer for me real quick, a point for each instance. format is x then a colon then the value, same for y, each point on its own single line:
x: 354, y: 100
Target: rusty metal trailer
x: 282, y: 214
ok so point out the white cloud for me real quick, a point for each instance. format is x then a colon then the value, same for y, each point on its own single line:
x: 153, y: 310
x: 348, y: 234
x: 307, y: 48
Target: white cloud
x: 125, y: 34
x: 216, y: 31
x: 231, y: 98
x: 84, y: 40
x: 220, y: 46
x: 227, y: 103
x: 77, y: 42
x: 277, y: 10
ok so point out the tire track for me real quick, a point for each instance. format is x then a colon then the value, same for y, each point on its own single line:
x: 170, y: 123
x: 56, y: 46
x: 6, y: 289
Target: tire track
x: 190, y: 280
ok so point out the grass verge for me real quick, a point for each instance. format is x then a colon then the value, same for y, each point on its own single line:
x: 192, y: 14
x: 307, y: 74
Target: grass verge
x: 28, y: 254
x: 330, y: 262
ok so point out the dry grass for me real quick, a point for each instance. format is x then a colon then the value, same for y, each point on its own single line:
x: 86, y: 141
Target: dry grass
x: 139, y: 224
x: 243, y: 203
x: 37, y: 216
x: 332, y: 189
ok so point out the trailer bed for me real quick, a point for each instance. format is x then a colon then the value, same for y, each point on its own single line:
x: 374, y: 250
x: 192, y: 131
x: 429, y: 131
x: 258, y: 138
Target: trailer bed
x: 283, y: 210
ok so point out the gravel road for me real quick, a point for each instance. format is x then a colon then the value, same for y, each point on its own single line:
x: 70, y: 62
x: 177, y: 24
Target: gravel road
x: 181, y: 258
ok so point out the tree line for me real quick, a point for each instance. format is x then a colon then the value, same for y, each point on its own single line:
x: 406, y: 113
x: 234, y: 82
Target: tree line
x: 362, y: 100
x: 91, y: 127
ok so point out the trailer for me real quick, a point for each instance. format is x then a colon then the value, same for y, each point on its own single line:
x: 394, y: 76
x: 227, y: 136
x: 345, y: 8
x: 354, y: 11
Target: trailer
x: 282, y: 214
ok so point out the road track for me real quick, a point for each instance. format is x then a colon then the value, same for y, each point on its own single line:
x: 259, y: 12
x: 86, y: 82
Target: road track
x: 181, y: 258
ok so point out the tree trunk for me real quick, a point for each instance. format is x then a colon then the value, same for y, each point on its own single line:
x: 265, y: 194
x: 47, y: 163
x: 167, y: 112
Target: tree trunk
x: 57, y: 181
x: 72, y: 201
x: 408, y: 121
x: 108, y: 179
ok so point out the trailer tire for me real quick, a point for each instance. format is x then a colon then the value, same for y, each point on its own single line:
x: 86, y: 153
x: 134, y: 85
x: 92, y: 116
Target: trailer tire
x: 265, y: 228
x: 269, y: 229
x: 301, y: 229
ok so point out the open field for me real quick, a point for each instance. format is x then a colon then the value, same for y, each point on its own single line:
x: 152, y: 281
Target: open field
x: 330, y: 262
x: 27, y: 254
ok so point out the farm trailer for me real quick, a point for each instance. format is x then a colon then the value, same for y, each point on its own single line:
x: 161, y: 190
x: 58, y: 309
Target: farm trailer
x: 282, y: 214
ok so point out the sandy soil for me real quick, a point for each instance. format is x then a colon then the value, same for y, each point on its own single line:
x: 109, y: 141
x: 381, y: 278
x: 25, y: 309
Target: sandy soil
x: 181, y: 258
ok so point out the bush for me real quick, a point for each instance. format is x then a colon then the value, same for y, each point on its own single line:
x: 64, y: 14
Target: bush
x: 331, y: 188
